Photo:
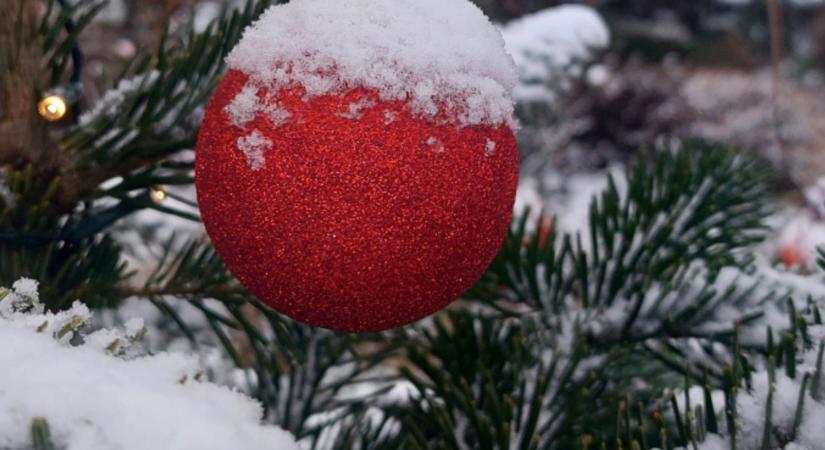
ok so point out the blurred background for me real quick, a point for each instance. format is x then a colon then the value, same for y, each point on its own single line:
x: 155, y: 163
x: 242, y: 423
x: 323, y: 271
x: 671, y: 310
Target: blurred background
x: 600, y: 79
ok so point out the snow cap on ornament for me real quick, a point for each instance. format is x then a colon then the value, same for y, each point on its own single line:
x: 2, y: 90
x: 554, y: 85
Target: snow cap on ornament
x: 356, y: 168
x: 443, y: 57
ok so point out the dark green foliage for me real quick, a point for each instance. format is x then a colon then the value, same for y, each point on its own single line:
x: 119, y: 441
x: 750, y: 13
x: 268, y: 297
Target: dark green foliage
x: 71, y: 18
x: 654, y: 248
x: 41, y: 436
x: 55, y: 220
x: 701, y: 203
x: 157, y: 115
x: 483, y: 385
x: 32, y: 245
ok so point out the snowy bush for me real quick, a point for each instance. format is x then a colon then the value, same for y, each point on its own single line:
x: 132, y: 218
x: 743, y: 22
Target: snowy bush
x: 552, y: 47
x: 96, y: 394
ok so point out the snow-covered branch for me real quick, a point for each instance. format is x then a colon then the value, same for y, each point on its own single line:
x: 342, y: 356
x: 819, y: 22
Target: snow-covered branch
x: 53, y: 369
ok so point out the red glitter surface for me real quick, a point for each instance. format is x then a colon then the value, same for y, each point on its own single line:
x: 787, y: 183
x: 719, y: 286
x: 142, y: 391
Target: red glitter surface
x: 354, y: 225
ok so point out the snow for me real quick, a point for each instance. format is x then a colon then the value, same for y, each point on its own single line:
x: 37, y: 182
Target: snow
x: 109, y: 105
x: 528, y: 195
x: 815, y: 198
x: 715, y: 442
x: 799, y: 234
x: 247, y: 105
x: 277, y: 114
x: 253, y: 147
x: 93, y: 400
x: 115, y: 12
x: 355, y: 110
x: 243, y: 108
x: 389, y: 117
x: 752, y: 403
x: 566, y: 197
x: 26, y: 287
x: 435, y: 144
x: 598, y: 75
x: 204, y: 13
x: 439, y: 55
x: 551, y: 46
x: 5, y: 192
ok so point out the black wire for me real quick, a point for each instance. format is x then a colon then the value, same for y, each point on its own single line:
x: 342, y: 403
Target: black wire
x: 77, y: 62
x: 77, y: 54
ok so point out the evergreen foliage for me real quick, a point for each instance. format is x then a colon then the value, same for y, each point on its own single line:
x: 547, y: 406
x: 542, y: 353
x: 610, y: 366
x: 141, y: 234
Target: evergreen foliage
x: 570, y: 328
x: 57, y: 215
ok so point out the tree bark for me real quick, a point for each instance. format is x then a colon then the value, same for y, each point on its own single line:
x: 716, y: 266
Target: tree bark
x: 23, y: 133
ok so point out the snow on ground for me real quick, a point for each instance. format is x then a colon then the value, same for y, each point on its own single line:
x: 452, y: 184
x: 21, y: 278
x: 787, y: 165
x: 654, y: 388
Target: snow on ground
x: 440, y: 55
x: 93, y: 399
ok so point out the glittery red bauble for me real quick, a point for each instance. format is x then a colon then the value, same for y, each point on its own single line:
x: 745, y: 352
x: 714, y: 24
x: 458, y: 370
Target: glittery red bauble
x: 354, y: 223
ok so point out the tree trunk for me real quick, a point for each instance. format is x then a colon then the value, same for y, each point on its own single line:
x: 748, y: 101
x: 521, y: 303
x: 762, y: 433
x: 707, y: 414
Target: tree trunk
x: 23, y: 133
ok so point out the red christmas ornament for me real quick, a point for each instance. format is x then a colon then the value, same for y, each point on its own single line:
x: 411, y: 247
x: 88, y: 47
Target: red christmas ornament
x: 345, y: 210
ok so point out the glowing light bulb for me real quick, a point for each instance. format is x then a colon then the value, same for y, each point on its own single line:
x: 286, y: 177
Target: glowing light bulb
x: 158, y: 194
x: 52, y: 107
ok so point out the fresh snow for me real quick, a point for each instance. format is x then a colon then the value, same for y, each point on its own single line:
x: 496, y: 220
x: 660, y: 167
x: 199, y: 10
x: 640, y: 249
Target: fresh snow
x: 552, y: 46
x: 751, y: 404
x: 253, y: 147
x: 389, y: 116
x: 435, y: 144
x: 243, y: 108
x: 109, y: 105
x: 355, y: 110
x: 440, y: 55
x: 5, y: 192
x: 246, y: 105
x: 277, y: 114
x: 94, y: 400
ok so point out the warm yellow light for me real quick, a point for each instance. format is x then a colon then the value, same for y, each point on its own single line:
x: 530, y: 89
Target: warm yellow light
x: 158, y: 194
x: 52, y: 107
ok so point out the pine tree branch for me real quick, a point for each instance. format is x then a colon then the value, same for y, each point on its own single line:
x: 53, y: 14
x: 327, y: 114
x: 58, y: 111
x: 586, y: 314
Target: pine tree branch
x: 181, y: 291
x: 698, y: 203
x: 635, y: 300
x: 156, y: 112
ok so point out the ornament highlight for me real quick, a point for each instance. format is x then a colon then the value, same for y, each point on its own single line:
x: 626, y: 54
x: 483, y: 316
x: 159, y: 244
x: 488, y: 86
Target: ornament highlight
x: 347, y: 201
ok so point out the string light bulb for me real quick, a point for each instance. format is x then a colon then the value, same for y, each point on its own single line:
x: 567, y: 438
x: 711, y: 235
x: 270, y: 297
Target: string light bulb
x: 158, y: 194
x: 52, y: 107
x: 55, y: 103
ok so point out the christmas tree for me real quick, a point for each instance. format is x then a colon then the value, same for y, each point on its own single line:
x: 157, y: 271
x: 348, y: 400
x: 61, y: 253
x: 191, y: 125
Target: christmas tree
x: 653, y: 323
